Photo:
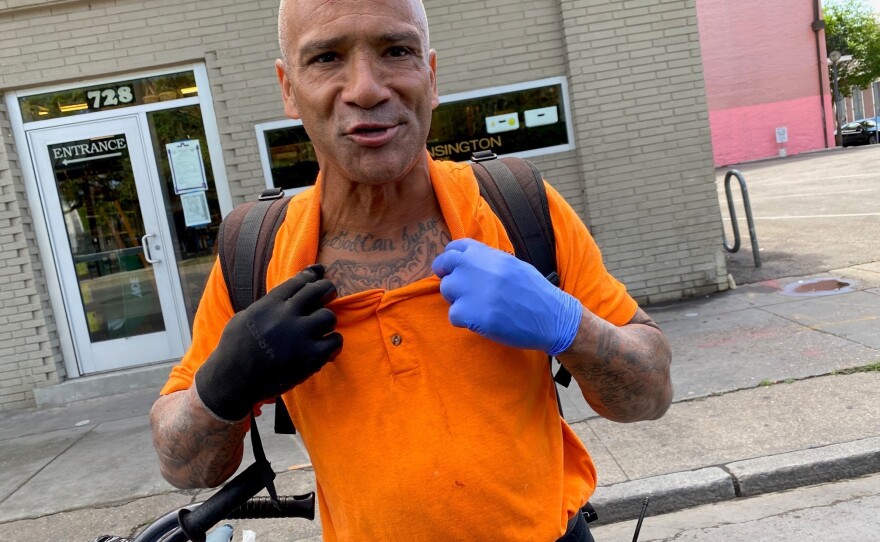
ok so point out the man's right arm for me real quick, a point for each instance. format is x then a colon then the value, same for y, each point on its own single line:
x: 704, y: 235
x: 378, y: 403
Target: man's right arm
x: 264, y: 350
x: 196, y: 449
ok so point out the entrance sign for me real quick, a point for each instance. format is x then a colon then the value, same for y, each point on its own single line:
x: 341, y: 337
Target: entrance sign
x: 86, y: 151
x: 187, y: 168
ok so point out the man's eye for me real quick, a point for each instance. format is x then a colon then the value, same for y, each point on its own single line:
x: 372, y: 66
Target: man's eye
x: 324, y: 58
x: 399, y: 51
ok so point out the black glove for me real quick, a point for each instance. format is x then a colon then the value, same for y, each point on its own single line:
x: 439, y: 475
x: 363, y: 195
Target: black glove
x: 270, y: 347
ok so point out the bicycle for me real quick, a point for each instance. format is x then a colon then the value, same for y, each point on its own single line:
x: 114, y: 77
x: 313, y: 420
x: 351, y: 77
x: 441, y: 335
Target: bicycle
x: 237, y: 500
x: 192, y: 522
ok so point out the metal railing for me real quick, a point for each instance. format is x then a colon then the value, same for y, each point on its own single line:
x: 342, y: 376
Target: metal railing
x: 749, y: 219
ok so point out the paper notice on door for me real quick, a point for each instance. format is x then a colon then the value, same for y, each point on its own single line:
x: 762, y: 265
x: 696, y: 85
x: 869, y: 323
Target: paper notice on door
x: 187, y: 167
x: 195, y: 208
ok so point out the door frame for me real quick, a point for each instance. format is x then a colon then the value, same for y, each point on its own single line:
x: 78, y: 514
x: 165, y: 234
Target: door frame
x: 36, y: 205
x: 96, y: 356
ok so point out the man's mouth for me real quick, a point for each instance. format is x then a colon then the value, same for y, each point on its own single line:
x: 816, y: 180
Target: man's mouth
x: 372, y: 135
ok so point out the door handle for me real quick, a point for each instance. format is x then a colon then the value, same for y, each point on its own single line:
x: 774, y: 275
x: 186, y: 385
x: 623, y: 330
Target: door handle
x: 145, y: 244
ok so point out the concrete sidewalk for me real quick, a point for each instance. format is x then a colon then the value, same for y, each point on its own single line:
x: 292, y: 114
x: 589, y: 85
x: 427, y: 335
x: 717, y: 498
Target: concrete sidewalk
x: 766, y: 399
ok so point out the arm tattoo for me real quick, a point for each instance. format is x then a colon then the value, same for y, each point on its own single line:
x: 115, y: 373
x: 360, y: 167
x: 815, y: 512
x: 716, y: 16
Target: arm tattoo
x: 195, y: 449
x: 622, y: 371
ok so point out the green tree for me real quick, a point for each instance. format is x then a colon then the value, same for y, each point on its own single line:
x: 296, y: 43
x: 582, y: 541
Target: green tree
x: 851, y: 27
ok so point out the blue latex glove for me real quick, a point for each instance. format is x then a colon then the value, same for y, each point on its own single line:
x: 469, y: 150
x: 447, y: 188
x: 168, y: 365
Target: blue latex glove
x: 505, y: 299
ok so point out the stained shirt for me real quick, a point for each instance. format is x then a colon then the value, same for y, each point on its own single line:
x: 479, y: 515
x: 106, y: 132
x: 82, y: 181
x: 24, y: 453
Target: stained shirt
x: 420, y: 431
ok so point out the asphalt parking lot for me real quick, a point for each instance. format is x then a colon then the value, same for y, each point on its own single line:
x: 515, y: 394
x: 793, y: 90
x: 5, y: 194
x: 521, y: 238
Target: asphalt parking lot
x: 813, y: 213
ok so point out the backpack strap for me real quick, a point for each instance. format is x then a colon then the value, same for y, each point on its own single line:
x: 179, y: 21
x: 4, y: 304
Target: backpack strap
x: 246, y: 238
x: 245, y: 241
x: 515, y: 191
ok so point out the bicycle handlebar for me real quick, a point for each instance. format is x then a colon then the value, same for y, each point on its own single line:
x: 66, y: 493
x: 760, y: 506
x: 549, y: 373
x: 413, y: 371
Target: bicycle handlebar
x: 196, y: 522
x: 167, y: 528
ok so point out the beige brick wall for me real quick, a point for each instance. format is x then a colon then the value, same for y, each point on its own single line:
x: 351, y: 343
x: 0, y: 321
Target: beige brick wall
x: 491, y: 43
x: 73, y: 41
x: 29, y: 356
x: 641, y: 174
x: 49, y: 42
x: 644, y: 145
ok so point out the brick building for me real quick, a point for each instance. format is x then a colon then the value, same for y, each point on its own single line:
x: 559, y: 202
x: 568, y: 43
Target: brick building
x: 766, y: 73
x: 128, y: 128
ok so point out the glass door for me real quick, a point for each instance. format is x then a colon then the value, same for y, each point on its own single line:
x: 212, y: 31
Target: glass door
x: 112, y: 251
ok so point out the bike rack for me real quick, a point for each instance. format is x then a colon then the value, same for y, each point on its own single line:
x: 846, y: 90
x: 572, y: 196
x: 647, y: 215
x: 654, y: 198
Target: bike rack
x: 751, y: 222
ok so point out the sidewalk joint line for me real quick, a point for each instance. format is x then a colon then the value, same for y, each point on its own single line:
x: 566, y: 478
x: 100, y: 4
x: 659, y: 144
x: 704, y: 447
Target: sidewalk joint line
x: 41, y: 469
x: 737, y: 491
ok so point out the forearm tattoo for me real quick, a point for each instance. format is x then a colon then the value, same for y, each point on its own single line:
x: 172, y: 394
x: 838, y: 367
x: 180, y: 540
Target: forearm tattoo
x: 196, y: 450
x: 623, y: 372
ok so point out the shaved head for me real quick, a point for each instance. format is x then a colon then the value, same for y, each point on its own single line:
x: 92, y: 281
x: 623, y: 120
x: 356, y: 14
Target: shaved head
x: 287, y: 14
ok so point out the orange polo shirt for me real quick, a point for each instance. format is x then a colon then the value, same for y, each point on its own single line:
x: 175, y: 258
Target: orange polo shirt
x: 420, y: 431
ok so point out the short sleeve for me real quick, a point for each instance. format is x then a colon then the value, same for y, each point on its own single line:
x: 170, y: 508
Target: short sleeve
x: 215, y: 310
x: 580, y: 266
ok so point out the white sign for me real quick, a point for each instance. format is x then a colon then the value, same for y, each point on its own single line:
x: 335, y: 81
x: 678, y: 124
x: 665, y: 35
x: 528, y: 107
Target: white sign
x: 195, y: 209
x: 541, y: 117
x: 110, y: 97
x: 502, y: 123
x: 782, y: 135
x: 77, y: 151
x: 187, y: 168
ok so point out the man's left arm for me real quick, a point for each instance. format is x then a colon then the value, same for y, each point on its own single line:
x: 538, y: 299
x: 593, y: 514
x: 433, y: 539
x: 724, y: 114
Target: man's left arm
x: 623, y: 371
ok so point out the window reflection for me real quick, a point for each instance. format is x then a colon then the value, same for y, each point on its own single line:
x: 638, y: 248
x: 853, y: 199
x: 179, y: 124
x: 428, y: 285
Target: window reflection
x: 99, y: 203
x: 115, y: 95
x: 506, y: 122
x: 193, y: 245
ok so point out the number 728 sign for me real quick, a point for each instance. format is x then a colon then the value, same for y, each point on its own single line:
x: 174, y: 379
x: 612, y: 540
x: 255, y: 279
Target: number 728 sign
x: 109, y: 97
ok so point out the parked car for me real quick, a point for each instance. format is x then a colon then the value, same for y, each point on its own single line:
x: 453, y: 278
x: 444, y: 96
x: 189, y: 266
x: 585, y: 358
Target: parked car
x: 859, y: 132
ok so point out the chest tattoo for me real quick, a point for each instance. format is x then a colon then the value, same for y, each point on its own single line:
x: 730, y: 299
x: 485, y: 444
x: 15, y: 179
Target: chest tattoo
x: 358, y: 262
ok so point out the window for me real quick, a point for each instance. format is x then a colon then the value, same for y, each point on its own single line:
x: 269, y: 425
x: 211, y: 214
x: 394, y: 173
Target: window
x: 288, y: 157
x: 526, y: 119
x: 858, y: 103
x: 876, y: 88
x: 83, y: 100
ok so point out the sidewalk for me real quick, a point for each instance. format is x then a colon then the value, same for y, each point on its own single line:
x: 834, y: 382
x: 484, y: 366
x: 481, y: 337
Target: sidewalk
x: 764, y: 402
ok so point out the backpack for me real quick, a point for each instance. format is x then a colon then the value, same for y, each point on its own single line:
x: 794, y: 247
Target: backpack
x: 513, y: 187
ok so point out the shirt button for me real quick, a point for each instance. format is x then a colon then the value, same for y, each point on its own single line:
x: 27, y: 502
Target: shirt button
x: 396, y: 339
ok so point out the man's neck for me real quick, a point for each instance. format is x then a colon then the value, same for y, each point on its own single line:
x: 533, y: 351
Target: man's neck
x: 380, y: 236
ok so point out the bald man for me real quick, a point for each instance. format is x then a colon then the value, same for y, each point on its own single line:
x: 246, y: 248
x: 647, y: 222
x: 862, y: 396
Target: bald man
x: 409, y: 346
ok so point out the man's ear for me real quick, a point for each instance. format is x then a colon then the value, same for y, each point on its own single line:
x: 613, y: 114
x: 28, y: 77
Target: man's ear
x: 432, y: 62
x: 287, y: 97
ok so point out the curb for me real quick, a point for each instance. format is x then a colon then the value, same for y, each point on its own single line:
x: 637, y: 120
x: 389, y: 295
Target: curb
x: 680, y: 490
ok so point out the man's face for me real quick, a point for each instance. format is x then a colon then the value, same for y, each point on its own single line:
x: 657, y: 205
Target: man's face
x: 361, y: 78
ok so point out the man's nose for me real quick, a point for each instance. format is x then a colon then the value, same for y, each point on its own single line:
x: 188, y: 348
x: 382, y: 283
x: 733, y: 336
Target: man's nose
x: 366, y: 84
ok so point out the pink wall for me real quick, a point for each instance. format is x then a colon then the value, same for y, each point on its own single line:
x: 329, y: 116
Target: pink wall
x: 749, y: 133
x: 762, y: 72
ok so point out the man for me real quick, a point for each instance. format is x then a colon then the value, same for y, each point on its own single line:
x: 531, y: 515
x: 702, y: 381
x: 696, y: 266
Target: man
x: 437, y: 420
